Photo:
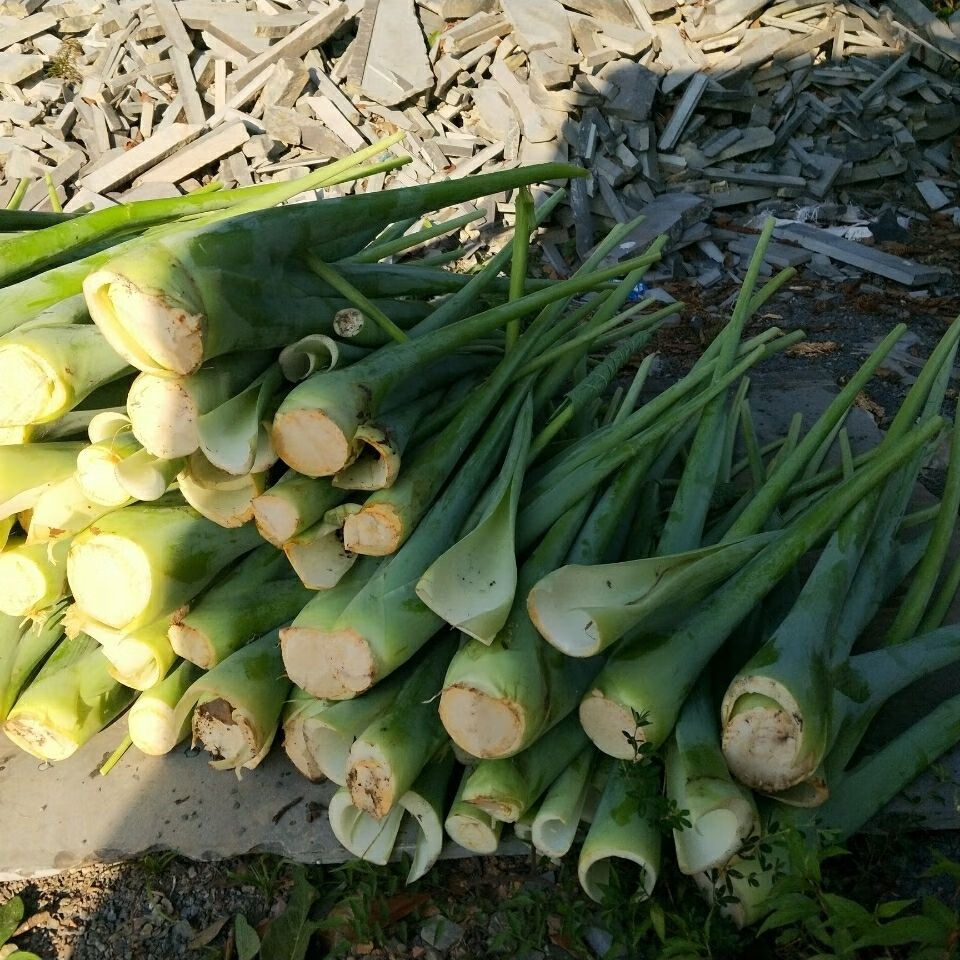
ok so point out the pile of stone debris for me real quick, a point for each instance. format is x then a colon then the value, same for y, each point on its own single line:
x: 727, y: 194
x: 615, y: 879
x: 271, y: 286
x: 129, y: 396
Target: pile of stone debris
x: 699, y: 115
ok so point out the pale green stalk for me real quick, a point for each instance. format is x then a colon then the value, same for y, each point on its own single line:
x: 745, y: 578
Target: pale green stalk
x: 150, y: 721
x: 22, y: 650
x: 777, y: 710
x: 318, y: 555
x: 52, y: 363
x: 236, y: 706
x: 721, y: 813
x: 252, y: 598
x: 472, y: 584
x: 621, y: 830
x: 499, y: 699
x: 222, y: 497
x: 381, y: 443
x: 471, y: 827
x: 388, y: 756
x: 318, y: 734
x: 317, y: 352
x: 232, y: 434
x: 560, y: 811
x: 96, y: 473
x: 32, y: 577
x: 297, y: 641
x: 62, y: 511
x: 28, y: 470
x: 292, y: 505
x: 425, y: 801
x: 139, y: 657
x: 583, y: 609
x: 361, y: 834
x: 143, y: 560
x: 64, y: 707
x: 166, y: 411
x: 142, y: 476
x: 507, y: 787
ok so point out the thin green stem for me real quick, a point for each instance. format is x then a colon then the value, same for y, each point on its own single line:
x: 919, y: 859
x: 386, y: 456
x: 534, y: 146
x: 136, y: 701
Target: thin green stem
x: 125, y: 744
x: 14, y: 202
x: 521, y: 248
x: 379, y: 251
x: 914, y: 604
x: 346, y: 289
x: 52, y: 194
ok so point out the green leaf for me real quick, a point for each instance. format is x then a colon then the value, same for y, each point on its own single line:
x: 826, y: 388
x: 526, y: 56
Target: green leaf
x: 847, y: 911
x: 289, y: 935
x: 800, y: 908
x: 903, y: 930
x: 24, y: 955
x: 246, y: 938
x: 11, y: 913
x: 659, y: 921
x: 892, y: 907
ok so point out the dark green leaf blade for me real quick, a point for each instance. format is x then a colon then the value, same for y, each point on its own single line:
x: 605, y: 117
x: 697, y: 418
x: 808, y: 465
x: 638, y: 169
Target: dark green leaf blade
x: 289, y: 935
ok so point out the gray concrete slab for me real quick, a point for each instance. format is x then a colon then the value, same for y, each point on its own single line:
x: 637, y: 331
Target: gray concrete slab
x: 58, y: 816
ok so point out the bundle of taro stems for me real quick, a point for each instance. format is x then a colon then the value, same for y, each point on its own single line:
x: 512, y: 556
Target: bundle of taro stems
x: 264, y: 467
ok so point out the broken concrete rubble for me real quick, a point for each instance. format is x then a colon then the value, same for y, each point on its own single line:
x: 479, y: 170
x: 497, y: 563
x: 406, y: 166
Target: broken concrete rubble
x: 690, y: 114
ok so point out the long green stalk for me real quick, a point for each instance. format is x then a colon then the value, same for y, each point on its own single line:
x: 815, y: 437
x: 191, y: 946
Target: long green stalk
x: 555, y: 493
x: 621, y: 830
x: 521, y: 246
x: 653, y: 676
x: 923, y: 584
x: 33, y: 251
